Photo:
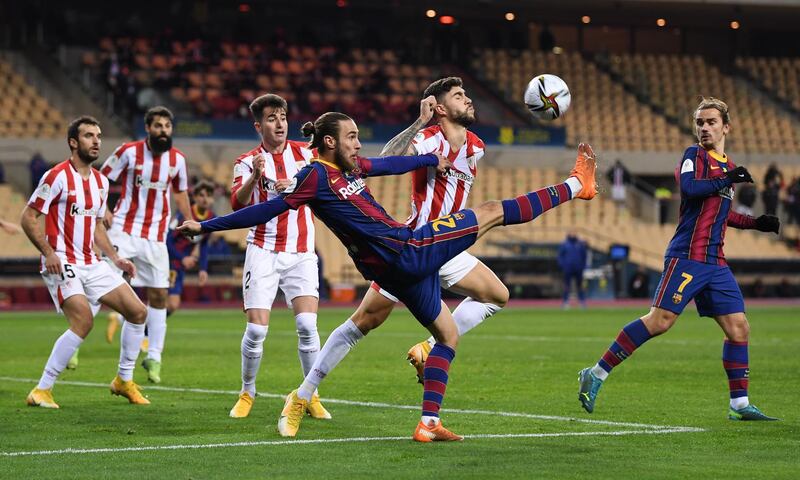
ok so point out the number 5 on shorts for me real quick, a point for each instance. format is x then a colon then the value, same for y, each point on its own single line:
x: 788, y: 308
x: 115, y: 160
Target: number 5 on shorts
x: 686, y: 279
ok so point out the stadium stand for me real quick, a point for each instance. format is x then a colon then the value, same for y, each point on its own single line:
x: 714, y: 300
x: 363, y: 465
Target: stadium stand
x: 601, y: 99
x: 219, y: 80
x: 760, y: 125
x: 23, y: 112
x: 780, y: 75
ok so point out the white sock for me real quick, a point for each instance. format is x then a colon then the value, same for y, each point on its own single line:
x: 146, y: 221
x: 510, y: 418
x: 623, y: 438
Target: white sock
x: 156, y: 331
x: 129, y: 340
x: 427, y: 420
x: 469, y: 314
x: 741, y: 402
x: 252, y: 351
x: 574, y: 185
x: 307, y: 340
x: 335, y: 349
x: 599, y: 372
x: 63, y: 349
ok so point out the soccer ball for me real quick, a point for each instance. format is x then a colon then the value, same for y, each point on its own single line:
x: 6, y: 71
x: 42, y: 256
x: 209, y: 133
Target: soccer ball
x: 547, y: 97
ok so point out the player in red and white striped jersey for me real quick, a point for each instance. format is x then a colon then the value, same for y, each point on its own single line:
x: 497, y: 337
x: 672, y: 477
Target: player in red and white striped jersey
x: 280, y: 253
x: 148, y: 170
x: 435, y: 195
x: 72, y: 196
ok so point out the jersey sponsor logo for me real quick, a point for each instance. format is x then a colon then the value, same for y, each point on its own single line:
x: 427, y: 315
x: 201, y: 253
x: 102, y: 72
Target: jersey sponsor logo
x: 75, y: 210
x: 353, y: 188
x: 418, y: 138
x: 173, y: 172
x: 157, y: 185
x: 268, y: 185
x: 458, y: 174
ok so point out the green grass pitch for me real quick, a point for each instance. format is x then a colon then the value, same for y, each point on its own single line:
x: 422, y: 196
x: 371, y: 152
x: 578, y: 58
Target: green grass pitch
x: 512, y: 392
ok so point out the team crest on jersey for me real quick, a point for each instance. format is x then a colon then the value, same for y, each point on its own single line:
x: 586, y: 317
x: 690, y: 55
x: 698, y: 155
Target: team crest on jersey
x: 43, y: 192
x: 677, y: 298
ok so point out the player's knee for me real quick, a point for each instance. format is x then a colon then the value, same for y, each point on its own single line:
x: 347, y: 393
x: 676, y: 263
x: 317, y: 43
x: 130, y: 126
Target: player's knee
x: 307, y: 328
x: 490, y: 212
x: 661, y: 320
x: 82, y: 326
x: 367, y: 320
x: 137, y: 314
x: 499, y: 296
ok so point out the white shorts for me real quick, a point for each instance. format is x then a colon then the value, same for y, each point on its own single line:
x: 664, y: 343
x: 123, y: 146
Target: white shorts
x: 149, y: 256
x: 92, y: 281
x: 297, y: 274
x: 451, y: 273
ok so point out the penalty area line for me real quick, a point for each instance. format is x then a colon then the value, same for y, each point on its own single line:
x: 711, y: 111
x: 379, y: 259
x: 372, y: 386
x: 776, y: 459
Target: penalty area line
x: 480, y: 436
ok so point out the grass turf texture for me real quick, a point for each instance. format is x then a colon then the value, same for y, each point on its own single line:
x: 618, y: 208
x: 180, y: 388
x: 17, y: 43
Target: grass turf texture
x: 523, y: 360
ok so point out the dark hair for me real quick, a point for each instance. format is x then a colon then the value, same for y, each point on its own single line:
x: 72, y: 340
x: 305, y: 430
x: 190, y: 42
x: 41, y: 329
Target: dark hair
x: 716, y: 104
x: 326, y: 124
x: 75, y: 125
x: 442, y: 86
x: 203, y: 185
x: 269, y: 100
x: 158, y: 111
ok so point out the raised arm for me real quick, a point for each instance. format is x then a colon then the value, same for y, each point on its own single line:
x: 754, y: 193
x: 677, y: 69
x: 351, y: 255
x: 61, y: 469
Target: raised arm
x: 398, y: 165
x: 246, y: 217
x: 692, y: 187
x: 401, y: 143
x: 764, y: 223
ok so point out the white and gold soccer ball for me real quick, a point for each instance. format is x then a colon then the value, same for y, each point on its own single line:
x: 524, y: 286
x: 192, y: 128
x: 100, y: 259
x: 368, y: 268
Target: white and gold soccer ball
x: 547, y: 96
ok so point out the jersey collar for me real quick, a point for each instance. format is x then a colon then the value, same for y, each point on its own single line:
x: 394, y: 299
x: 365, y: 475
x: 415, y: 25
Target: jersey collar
x: 325, y: 162
x: 197, y: 215
x: 720, y: 157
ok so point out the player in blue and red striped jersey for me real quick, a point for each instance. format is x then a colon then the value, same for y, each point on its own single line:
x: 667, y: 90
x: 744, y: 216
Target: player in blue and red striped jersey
x: 404, y: 261
x: 695, y: 266
x: 187, y: 253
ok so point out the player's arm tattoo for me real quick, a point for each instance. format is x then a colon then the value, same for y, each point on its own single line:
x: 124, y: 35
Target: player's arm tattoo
x: 401, y: 143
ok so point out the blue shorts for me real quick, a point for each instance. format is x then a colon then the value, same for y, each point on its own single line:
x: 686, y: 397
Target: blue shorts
x: 175, y: 281
x: 713, y: 288
x: 414, y: 278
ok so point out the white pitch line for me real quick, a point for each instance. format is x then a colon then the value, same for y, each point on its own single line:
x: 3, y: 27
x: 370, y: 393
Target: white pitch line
x: 332, y: 440
x: 384, y: 405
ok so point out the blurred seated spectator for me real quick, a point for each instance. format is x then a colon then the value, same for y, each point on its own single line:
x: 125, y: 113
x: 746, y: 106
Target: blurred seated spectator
x: 746, y: 198
x: 37, y: 166
x: 640, y: 284
x: 773, y: 182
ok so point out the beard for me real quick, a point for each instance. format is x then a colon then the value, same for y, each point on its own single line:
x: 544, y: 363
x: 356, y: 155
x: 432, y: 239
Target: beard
x: 465, y: 119
x: 159, y: 143
x: 86, y: 156
x: 341, y: 159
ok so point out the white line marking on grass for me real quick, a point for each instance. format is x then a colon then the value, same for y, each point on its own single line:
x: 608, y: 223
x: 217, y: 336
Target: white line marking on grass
x: 81, y: 451
x: 384, y: 405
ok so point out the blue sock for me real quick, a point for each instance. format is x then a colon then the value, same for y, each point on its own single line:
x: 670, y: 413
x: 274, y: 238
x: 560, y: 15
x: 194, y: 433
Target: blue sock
x: 525, y: 208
